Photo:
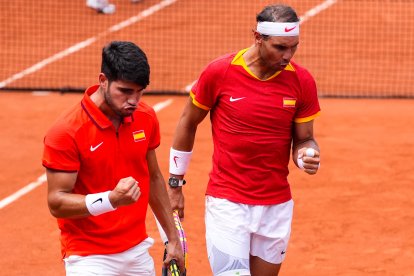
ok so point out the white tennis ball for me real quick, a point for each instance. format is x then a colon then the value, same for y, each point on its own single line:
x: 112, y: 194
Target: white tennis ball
x: 310, y: 152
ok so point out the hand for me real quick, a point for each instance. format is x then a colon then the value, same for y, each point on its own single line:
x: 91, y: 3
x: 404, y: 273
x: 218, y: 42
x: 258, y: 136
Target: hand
x: 125, y: 193
x: 176, y: 197
x: 310, y: 160
x: 175, y: 252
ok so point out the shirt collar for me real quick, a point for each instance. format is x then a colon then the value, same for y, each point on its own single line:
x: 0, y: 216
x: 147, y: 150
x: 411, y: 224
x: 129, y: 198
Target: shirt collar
x: 96, y: 115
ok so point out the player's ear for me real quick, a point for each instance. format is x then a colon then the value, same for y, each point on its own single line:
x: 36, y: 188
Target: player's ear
x: 103, y: 80
x: 257, y: 37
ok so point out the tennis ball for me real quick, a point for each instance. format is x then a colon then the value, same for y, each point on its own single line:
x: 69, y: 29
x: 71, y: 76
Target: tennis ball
x: 310, y: 152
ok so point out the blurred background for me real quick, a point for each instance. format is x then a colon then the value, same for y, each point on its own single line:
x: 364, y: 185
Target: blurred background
x: 354, y: 48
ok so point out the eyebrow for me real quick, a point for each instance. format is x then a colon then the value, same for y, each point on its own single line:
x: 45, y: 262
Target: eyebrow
x: 284, y: 45
x: 125, y: 89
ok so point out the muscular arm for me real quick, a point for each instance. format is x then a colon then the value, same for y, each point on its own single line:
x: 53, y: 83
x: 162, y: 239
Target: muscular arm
x: 303, y: 139
x: 62, y: 202
x: 184, y: 138
x: 186, y: 129
x: 161, y: 207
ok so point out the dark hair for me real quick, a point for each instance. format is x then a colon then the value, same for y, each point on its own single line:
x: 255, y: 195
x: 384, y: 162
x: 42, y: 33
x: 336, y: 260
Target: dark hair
x: 277, y: 13
x: 123, y: 60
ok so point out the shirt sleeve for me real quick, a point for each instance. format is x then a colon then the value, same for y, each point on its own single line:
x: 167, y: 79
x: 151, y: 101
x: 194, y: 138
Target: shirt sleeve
x: 204, y: 91
x: 308, y: 108
x: 60, y: 151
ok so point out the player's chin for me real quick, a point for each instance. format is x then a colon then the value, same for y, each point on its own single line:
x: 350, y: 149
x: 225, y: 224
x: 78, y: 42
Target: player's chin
x: 283, y: 66
x: 128, y: 112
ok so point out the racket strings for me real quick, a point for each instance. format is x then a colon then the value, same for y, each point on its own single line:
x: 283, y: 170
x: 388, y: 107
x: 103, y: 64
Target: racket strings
x: 182, y: 236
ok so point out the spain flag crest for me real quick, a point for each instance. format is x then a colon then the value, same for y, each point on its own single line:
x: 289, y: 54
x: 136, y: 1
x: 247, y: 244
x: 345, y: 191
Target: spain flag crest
x: 138, y: 135
x: 289, y: 102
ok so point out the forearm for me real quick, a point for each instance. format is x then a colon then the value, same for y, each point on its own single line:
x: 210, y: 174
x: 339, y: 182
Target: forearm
x: 187, y: 127
x: 67, y: 205
x: 303, y: 138
x: 184, y: 137
x: 161, y: 207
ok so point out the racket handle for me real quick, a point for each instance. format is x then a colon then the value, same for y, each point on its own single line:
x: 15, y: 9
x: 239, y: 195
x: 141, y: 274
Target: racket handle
x: 164, y: 271
x: 174, y: 268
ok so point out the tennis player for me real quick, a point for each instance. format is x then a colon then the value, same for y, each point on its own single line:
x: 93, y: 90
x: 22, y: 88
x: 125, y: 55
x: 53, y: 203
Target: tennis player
x: 262, y: 106
x: 102, y: 172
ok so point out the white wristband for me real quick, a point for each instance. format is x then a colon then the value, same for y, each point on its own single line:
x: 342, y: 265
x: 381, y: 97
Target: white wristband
x: 98, y: 203
x: 179, y: 161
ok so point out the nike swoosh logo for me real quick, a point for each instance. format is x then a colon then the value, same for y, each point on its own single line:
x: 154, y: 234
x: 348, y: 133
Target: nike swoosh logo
x: 289, y: 29
x: 95, y: 147
x: 99, y: 199
x: 236, y: 99
x: 175, y: 160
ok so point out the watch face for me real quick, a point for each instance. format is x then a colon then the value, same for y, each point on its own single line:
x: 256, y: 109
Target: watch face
x: 174, y: 182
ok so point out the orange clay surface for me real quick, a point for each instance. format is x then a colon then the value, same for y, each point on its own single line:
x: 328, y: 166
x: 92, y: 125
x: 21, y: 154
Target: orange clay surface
x: 353, y: 218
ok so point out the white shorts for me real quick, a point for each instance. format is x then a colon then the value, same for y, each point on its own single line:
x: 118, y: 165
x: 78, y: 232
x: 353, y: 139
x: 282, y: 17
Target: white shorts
x: 132, y: 262
x: 240, y: 230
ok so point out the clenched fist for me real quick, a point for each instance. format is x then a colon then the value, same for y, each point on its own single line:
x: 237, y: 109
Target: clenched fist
x: 125, y: 193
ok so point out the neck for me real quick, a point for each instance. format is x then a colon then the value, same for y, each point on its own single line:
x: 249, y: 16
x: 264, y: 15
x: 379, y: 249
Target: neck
x: 256, y: 63
x: 98, y: 98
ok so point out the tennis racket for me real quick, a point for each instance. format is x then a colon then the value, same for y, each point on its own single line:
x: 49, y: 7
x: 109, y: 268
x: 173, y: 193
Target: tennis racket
x: 173, y: 267
x: 183, y: 238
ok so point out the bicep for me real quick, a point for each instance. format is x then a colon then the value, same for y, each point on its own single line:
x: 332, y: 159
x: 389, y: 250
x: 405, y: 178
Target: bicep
x: 302, y: 132
x: 191, y: 117
x: 59, y: 181
x: 60, y: 198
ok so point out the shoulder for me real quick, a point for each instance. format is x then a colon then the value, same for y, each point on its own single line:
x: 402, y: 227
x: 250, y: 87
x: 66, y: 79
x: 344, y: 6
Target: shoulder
x: 221, y: 63
x: 145, y: 110
x: 65, y: 126
x: 71, y: 119
x: 305, y: 79
x: 301, y: 72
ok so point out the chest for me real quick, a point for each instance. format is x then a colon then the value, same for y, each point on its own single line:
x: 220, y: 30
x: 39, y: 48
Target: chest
x: 248, y: 103
x: 108, y: 148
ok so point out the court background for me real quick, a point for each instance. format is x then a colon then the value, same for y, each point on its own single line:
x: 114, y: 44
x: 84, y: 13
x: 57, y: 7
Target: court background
x: 353, y: 218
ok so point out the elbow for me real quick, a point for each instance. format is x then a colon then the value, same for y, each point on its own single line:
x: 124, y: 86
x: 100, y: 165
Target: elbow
x: 54, y: 211
x: 55, y: 207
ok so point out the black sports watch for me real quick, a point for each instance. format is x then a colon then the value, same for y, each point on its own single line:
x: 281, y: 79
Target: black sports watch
x: 175, y: 182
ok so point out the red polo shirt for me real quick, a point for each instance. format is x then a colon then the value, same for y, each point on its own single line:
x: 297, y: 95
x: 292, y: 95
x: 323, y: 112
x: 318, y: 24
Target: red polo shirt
x: 252, y: 123
x: 84, y: 140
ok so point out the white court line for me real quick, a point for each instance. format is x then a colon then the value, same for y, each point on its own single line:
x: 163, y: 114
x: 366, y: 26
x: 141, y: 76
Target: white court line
x: 22, y: 191
x: 161, y: 105
x: 310, y: 13
x: 42, y: 179
x: 83, y: 44
x: 317, y: 9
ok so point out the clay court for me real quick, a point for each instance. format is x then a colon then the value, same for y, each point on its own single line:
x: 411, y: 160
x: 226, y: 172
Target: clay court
x: 353, y: 218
